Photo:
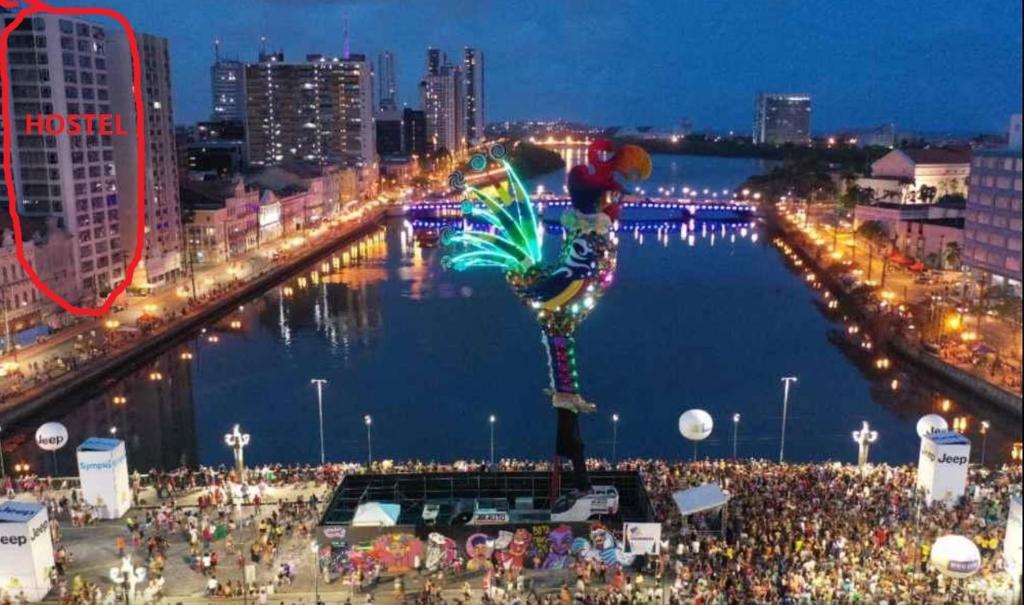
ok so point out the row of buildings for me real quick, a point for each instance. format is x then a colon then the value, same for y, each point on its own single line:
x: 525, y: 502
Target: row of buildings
x: 288, y: 144
x: 323, y: 109
x: 77, y: 193
x: 956, y: 207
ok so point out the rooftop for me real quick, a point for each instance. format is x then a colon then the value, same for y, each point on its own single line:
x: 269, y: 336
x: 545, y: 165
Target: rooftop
x: 938, y: 156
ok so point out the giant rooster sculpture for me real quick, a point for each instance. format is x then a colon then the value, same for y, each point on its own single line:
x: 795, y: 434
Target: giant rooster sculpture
x: 561, y: 293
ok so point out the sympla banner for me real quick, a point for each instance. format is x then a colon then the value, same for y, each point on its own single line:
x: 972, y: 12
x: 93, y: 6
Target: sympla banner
x: 103, y: 470
x: 642, y: 538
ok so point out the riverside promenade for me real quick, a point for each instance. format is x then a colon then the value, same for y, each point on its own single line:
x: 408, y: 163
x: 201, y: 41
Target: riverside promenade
x: 120, y: 357
x: 888, y: 332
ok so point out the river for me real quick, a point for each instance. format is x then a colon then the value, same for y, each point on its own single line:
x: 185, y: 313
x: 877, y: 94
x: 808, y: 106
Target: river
x: 706, y: 316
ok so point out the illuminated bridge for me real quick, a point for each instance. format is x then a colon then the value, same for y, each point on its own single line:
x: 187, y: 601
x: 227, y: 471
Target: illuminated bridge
x: 676, y: 207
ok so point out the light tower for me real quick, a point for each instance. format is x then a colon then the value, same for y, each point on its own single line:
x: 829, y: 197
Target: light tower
x: 238, y: 441
x: 864, y: 438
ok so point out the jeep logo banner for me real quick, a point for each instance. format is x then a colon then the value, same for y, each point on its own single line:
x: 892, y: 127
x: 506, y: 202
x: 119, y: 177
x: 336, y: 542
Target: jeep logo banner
x: 51, y: 436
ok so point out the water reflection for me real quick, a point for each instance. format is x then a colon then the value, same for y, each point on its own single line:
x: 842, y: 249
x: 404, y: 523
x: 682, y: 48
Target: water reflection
x: 705, y: 315
x: 151, y: 408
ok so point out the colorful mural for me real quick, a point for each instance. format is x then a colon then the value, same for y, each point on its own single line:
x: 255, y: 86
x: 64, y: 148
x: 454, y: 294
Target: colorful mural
x: 541, y: 546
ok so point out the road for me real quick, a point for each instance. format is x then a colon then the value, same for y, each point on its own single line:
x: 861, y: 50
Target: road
x: 90, y: 338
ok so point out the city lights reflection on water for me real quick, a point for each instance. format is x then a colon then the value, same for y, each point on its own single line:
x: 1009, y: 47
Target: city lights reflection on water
x: 702, y: 315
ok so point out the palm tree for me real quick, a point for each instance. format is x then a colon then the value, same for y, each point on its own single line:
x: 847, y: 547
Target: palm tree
x: 951, y: 255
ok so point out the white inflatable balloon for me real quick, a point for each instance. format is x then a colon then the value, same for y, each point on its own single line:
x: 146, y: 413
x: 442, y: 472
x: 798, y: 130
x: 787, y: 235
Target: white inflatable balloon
x: 931, y: 423
x: 695, y: 425
x: 51, y: 436
x: 955, y: 556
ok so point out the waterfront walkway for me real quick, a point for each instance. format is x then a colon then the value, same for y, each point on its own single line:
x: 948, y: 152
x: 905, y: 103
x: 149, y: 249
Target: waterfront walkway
x: 91, y: 344
x: 983, y: 356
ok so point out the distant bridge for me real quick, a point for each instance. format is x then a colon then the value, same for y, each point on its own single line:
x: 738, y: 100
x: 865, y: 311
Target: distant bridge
x: 690, y: 207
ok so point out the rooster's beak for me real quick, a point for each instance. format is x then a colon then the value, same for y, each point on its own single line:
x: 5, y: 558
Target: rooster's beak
x: 632, y: 162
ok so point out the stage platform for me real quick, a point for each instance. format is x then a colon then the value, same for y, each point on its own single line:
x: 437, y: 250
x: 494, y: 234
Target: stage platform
x: 525, y: 495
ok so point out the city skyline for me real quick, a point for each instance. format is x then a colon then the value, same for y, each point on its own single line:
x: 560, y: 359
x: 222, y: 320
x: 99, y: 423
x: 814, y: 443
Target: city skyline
x: 921, y: 70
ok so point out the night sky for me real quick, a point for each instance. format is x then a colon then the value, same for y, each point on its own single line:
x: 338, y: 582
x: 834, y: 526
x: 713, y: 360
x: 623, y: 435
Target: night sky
x: 928, y: 66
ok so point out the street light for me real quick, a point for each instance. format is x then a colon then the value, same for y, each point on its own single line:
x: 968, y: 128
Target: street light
x: 864, y: 438
x: 315, y: 549
x: 984, y: 439
x: 786, y: 381
x: 320, y: 382
x: 615, y: 438
x: 113, y: 431
x: 119, y: 400
x: 237, y: 441
x: 735, y: 428
x: 368, y: 421
x: 127, y: 576
x: 491, y: 420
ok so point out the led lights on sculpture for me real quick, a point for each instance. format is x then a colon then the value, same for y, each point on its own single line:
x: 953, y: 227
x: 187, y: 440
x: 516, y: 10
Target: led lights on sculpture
x: 562, y: 292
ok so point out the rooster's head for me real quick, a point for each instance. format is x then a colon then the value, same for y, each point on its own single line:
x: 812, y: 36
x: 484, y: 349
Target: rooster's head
x: 592, y: 185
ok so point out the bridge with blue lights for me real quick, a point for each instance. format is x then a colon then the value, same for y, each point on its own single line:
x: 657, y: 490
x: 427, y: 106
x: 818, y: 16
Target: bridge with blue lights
x: 679, y: 207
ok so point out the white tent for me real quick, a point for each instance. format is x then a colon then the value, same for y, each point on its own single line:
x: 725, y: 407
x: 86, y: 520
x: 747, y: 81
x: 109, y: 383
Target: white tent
x: 699, y: 499
x: 376, y: 514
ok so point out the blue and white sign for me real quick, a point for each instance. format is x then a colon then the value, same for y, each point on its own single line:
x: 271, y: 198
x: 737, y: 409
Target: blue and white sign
x: 942, y: 466
x: 103, y: 470
x: 26, y: 549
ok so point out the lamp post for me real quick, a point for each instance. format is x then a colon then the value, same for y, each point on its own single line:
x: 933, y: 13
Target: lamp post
x: 491, y: 420
x: 864, y: 438
x: 320, y: 382
x: 368, y: 421
x: 615, y: 439
x: 237, y: 441
x: 127, y: 576
x: 984, y: 439
x: 735, y: 428
x: 786, y: 381
x: 315, y: 549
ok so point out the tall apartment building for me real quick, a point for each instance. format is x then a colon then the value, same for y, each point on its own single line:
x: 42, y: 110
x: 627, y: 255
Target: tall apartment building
x: 473, y: 68
x: 435, y: 59
x: 387, y: 81
x: 161, y: 262
x: 227, y: 84
x: 782, y: 118
x: 319, y: 110
x: 389, y: 132
x: 414, y: 132
x: 59, y: 65
x: 443, y: 98
x: 992, y: 226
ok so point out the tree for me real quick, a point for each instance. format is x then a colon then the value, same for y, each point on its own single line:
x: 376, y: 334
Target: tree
x: 951, y: 255
x: 873, y: 231
x: 927, y: 193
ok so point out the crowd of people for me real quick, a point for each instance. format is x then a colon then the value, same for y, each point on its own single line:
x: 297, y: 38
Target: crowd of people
x: 791, y: 533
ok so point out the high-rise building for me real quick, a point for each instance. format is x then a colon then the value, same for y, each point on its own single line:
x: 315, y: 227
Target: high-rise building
x: 782, y: 118
x: 386, y: 78
x: 443, y: 97
x: 227, y: 83
x: 435, y: 59
x: 161, y: 262
x: 320, y: 110
x: 992, y: 226
x: 389, y: 133
x: 473, y: 70
x: 414, y: 132
x: 59, y: 65
x: 353, y: 91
